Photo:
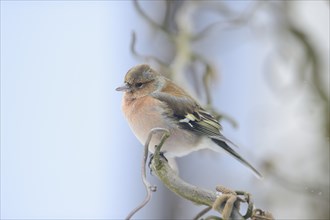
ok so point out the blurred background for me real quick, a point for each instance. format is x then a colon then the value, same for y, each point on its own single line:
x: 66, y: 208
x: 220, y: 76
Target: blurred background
x: 67, y: 151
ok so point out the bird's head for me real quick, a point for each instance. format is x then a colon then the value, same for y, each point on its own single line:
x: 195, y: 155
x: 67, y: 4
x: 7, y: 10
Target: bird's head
x: 141, y: 80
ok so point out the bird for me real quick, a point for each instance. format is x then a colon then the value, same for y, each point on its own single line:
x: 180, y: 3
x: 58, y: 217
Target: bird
x: 151, y: 100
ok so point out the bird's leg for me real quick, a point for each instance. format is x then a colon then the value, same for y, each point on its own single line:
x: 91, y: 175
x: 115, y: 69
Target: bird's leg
x: 162, y: 154
x: 151, y: 157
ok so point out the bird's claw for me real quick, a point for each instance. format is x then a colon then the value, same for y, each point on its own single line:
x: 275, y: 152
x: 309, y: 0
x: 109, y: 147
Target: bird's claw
x: 151, y: 157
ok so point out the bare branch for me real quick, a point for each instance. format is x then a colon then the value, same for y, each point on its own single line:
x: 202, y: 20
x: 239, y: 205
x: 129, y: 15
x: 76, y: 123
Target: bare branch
x: 150, y: 188
x: 228, y: 203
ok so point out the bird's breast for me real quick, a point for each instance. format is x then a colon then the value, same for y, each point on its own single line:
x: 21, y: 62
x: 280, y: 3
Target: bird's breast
x: 146, y: 113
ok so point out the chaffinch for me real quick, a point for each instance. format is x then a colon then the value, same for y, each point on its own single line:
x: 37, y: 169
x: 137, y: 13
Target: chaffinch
x: 152, y: 101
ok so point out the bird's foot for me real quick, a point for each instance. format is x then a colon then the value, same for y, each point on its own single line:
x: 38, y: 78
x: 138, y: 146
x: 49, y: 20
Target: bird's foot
x: 151, y: 157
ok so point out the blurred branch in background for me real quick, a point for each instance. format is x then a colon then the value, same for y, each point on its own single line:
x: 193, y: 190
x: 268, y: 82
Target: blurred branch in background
x: 296, y: 47
x: 306, y: 60
x: 181, y: 29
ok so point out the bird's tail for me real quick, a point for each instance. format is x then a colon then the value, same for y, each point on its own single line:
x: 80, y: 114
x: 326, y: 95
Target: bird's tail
x: 232, y: 152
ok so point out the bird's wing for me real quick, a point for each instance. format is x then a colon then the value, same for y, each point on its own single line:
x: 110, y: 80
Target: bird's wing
x: 189, y: 115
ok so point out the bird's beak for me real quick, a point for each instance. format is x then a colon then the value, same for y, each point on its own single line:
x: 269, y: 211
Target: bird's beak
x: 124, y: 88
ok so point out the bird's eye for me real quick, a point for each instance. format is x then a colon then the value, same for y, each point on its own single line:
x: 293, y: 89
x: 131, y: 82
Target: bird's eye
x: 138, y: 85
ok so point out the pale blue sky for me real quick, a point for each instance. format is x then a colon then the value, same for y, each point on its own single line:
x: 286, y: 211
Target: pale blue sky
x: 60, y: 64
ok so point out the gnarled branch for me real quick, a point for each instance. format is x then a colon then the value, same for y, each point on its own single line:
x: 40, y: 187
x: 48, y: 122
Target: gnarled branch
x: 227, y: 203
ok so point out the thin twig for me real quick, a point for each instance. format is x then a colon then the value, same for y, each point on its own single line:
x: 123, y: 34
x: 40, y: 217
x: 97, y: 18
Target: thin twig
x: 248, y: 200
x: 166, y: 19
x: 208, y: 74
x: 212, y: 217
x: 148, y: 19
x: 239, y: 21
x: 144, y: 57
x: 203, y: 212
x: 150, y: 188
x: 259, y: 214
